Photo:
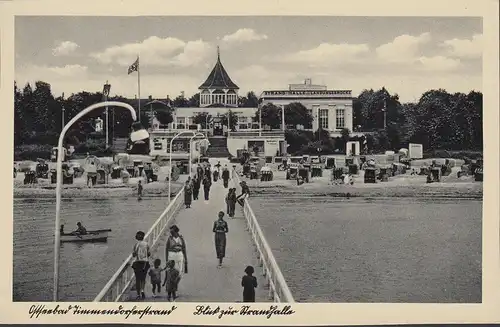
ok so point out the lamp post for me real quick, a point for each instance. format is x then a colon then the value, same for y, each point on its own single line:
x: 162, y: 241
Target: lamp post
x: 170, y: 160
x: 62, y: 112
x: 59, y: 180
x: 206, y: 122
x: 191, y: 152
x: 260, y: 120
x: 105, y: 93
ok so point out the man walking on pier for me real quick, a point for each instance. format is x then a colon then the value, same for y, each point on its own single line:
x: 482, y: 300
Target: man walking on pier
x: 207, y: 183
x: 225, y: 176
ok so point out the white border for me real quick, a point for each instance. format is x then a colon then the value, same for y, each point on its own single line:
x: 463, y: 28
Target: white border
x: 306, y: 314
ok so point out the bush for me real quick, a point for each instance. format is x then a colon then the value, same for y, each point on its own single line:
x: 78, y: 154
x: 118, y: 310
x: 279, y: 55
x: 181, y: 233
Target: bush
x: 31, y: 155
x: 454, y: 154
x: 96, y: 148
x: 32, y: 152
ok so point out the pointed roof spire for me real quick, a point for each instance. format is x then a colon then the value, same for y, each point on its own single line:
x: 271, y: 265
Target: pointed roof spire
x: 218, y: 78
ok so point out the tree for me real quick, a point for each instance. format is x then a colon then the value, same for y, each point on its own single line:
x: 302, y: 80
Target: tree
x: 19, y: 122
x: 164, y: 116
x: 194, y: 101
x: 345, y: 137
x: 181, y: 102
x: 297, y: 114
x: 297, y: 139
x: 249, y: 101
x: 230, y: 119
x: 270, y: 115
x: 202, y: 118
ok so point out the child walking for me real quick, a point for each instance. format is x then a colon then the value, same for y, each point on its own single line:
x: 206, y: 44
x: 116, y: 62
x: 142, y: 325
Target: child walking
x: 155, y: 275
x: 172, y: 278
x: 249, y: 284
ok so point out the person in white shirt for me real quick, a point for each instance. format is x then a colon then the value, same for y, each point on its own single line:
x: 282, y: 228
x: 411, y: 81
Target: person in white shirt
x: 141, y: 265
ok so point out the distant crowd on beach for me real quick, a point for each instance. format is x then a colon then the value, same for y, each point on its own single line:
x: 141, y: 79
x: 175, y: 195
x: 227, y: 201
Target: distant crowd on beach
x: 176, y: 259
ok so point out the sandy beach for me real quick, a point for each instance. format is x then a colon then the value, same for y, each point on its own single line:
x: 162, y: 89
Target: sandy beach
x: 398, y: 186
x: 406, y: 185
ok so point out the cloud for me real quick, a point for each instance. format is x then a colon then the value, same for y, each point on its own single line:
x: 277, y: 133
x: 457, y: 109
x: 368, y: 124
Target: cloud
x: 472, y: 48
x: 155, y: 51
x: 244, y: 35
x: 65, y: 48
x: 45, y: 72
x: 439, y: 63
x: 326, y: 54
x: 403, y: 49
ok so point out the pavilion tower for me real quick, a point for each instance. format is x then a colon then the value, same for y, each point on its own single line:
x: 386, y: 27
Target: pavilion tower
x: 218, y: 90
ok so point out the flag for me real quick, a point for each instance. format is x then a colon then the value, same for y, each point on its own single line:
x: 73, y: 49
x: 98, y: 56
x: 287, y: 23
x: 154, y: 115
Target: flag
x: 134, y: 67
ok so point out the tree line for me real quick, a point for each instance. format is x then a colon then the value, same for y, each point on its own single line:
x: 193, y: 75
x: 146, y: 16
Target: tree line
x: 438, y: 120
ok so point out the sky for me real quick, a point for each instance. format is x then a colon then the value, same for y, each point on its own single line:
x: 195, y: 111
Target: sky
x: 407, y: 55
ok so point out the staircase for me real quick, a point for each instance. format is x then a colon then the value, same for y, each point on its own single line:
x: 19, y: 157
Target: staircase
x: 119, y: 144
x: 218, y: 147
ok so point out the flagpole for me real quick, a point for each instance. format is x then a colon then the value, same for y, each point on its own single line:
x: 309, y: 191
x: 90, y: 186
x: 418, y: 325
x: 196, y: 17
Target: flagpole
x: 139, y: 88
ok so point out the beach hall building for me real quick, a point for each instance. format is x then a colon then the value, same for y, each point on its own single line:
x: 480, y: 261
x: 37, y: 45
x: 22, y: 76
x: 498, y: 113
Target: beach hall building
x: 331, y: 110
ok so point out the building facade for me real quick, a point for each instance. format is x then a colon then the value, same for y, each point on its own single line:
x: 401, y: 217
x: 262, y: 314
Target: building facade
x: 331, y: 110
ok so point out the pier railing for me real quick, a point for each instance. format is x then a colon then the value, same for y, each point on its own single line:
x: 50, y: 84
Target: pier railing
x: 119, y: 284
x: 278, y: 288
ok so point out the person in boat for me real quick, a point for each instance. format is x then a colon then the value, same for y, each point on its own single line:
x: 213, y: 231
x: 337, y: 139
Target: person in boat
x: 175, y: 250
x: 141, y: 253
x: 245, y: 193
x: 231, y: 202
x: 225, y: 176
x: 188, y: 192
x: 207, y: 183
x: 81, y: 230
x: 61, y: 230
x: 220, y: 230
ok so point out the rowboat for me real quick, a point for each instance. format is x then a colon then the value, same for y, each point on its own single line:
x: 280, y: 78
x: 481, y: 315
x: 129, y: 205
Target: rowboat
x: 100, y: 235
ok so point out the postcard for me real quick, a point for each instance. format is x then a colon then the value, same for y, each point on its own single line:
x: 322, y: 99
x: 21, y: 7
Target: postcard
x: 254, y: 163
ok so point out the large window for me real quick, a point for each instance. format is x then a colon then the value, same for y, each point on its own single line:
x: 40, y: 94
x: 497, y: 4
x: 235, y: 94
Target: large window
x: 339, y: 118
x: 323, y: 118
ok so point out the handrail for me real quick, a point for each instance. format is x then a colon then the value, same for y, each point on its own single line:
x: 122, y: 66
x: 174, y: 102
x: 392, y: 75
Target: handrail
x: 278, y: 288
x: 120, y: 282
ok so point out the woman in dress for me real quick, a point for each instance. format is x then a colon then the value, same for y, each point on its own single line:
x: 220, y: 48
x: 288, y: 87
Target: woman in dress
x: 231, y: 202
x: 188, y: 192
x: 220, y: 229
x: 176, y: 250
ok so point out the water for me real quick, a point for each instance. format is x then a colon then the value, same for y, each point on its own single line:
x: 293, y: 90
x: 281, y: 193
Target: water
x: 84, y: 268
x: 382, y: 250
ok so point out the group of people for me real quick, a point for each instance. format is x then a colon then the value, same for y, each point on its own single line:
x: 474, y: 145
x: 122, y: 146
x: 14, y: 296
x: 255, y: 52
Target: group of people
x: 176, y: 265
x: 175, y: 250
x: 204, y: 176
